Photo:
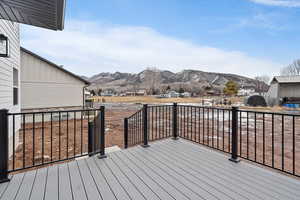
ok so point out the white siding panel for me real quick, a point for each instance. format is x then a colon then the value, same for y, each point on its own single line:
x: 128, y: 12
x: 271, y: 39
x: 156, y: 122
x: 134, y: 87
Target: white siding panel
x: 50, y: 95
x: 289, y: 90
x: 46, y: 86
x: 11, y: 30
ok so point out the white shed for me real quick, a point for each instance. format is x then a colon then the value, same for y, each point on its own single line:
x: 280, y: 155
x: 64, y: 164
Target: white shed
x: 45, y: 85
x: 284, y: 89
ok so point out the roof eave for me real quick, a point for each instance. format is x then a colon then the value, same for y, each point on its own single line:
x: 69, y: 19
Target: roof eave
x: 61, y: 7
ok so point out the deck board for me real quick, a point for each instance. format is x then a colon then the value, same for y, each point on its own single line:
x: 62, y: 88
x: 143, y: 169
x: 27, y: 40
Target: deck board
x: 89, y: 182
x: 113, y: 181
x: 102, y: 185
x: 257, y: 183
x: 147, y: 192
x: 240, y: 172
x: 13, y: 187
x: 222, y: 179
x: 158, y: 178
x: 3, y: 187
x: 79, y: 192
x: 147, y: 180
x: 25, y: 189
x: 167, y: 170
x: 64, y: 186
x: 52, y: 184
x: 38, y: 188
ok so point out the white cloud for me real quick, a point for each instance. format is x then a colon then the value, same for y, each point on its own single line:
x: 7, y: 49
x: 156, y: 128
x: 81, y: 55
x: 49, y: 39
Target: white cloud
x: 88, y: 48
x: 285, y: 3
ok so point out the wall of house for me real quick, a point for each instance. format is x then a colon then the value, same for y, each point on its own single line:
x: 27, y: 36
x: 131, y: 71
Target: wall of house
x: 289, y: 90
x: 11, y: 30
x: 45, y: 86
x: 272, y: 95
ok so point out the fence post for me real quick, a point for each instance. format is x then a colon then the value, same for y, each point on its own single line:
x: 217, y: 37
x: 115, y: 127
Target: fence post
x: 174, y: 119
x: 145, y: 126
x: 234, y: 136
x: 102, y: 133
x: 91, y: 141
x: 4, y: 146
x: 126, y: 133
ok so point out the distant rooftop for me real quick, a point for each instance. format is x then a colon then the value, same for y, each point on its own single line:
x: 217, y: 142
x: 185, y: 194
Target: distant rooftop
x: 286, y: 79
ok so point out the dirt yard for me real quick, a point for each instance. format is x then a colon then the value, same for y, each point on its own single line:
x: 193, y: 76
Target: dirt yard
x: 58, y: 141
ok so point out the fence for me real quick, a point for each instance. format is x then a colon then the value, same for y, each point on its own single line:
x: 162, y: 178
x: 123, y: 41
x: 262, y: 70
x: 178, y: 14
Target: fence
x: 34, y: 139
x: 270, y: 139
x: 148, y: 124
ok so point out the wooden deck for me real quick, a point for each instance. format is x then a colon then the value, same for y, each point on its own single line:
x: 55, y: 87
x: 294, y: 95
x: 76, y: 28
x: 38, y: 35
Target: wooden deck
x: 167, y: 170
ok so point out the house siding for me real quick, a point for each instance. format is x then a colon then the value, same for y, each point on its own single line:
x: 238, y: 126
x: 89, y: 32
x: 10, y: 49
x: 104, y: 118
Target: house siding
x: 289, y: 90
x: 272, y: 95
x: 45, y: 86
x: 11, y: 30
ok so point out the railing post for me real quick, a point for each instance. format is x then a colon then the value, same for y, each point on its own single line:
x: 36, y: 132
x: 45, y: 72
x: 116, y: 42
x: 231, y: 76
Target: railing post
x: 145, y: 126
x: 174, y: 119
x: 234, y: 136
x: 4, y: 146
x: 126, y: 133
x: 91, y: 141
x: 102, y: 133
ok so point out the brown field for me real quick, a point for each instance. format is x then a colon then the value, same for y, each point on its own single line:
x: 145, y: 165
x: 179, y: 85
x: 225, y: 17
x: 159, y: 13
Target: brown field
x: 152, y: 99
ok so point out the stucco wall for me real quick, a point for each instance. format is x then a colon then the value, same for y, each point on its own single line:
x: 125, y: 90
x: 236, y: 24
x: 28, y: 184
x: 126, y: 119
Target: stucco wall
x: 45, y: 86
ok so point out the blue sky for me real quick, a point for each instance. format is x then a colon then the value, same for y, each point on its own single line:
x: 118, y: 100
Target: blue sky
x: 250, y: 37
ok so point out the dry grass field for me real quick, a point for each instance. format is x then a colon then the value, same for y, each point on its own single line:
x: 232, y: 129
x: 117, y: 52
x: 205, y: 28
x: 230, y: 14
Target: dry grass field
x: 153, y: 99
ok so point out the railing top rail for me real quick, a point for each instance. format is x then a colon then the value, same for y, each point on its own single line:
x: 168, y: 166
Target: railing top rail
x: 269, y: 112
x: 134, y: 114
x: 206, y: 107
x: 55, y: 111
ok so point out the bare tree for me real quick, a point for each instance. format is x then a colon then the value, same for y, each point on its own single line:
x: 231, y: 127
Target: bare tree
x: 262, y: 83
x: 292, y: 69
x: 152, y: 79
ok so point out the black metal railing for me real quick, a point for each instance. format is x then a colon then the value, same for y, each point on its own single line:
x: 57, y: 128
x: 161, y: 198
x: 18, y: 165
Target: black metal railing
x: 148, y: 124
x: 206, y: 125
x: 270, y: 139
x: 35, y: 139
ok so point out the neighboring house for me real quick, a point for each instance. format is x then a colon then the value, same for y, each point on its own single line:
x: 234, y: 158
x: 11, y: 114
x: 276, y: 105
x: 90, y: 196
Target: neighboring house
x: 172, y: 94
x: 140, y: 92
x: 48, y: 15
x: 186, y: 94
x: 246, y: 91
x: 284, y: 89
x: 45, y: 85
x: 107, y: 93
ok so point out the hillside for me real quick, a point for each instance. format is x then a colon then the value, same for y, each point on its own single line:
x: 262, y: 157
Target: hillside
x: 191, y: 80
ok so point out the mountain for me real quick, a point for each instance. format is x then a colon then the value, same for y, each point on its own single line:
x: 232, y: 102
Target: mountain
x: 190, y: 80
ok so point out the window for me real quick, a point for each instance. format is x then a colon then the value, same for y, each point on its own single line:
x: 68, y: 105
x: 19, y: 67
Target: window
x: 15, y: 86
